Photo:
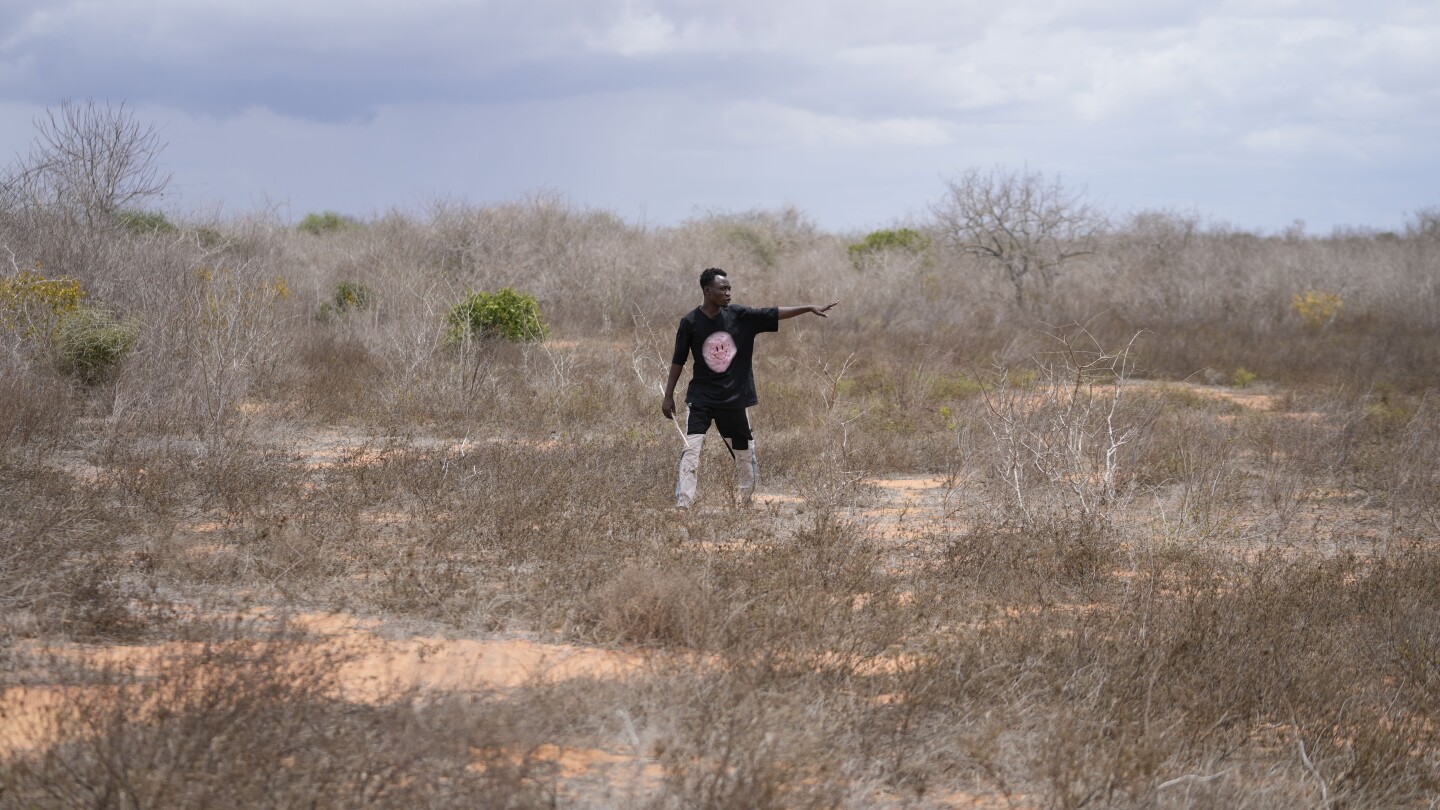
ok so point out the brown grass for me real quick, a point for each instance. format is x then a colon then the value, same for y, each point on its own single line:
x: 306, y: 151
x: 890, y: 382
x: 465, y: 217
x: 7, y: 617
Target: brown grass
x: 1239, y: 611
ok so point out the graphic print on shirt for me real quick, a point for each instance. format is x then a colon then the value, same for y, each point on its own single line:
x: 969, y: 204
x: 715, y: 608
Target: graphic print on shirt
x: 718, y: 350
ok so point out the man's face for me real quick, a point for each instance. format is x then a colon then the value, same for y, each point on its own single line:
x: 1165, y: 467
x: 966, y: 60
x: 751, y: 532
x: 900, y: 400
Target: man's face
x: 718, y: 293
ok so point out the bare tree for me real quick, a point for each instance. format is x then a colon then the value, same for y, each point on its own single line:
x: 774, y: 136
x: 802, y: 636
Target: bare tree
x: 1425, y: 223
x: 1023, y: 222
x: 88, y: 161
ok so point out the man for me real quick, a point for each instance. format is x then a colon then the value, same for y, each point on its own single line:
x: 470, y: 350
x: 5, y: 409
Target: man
x: 721, y: 338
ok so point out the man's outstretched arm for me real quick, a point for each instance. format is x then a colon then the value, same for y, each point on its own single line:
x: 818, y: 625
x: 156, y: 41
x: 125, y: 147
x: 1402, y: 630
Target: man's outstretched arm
x: 667, y: 406
x: 790, y: 312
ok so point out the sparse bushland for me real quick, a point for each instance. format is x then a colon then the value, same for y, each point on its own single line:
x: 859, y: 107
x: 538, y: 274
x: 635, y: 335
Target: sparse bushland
x: 1112, y: 586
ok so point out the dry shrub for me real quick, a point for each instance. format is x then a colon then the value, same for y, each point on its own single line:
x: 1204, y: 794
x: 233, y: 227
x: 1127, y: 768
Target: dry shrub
x: 1193, y: 450
x: 165, y: 476
x: 1414, y: 479
x: 64, y: 567
x: 648, y: 605
x: 751, y: 738
x: 1290, y: 644
x: 334, y: 377
x: 35, y: 411
x: 413, y: 582
x: 486, y: 532
x: 1220, y: 677
x: 154, y: 475
x: 1037, y: 563
x: 806, y: 595
x: 241, y: 722
x: 1059, y: 439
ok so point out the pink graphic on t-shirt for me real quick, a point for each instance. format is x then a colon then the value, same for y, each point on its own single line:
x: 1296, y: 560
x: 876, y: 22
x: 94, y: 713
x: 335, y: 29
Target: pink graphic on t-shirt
x: 718, y: 350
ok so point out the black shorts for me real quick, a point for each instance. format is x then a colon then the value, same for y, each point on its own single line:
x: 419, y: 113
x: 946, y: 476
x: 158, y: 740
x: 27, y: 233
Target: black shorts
x: 732, y: 423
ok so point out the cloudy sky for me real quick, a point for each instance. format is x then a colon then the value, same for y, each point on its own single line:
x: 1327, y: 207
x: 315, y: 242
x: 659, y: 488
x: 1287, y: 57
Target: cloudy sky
x: 1254, y: 113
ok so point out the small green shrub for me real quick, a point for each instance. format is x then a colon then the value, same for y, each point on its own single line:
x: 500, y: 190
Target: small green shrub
x: 1388, y: 410
x: 145, y: 223
x: 349, y: 296
x: 90, y: 342
x: 209, y: 237
x: 1244, y: 377
x: 507, y: 314
x: 954, y: 387
x: 907, y: 240
x: 1317, y: 308
x: 325, y: 222
x: 762, y: 247
x: 763, y: 237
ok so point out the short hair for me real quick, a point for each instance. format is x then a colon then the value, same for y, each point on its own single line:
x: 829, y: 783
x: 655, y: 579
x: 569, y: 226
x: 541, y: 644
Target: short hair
x: 708, y: 277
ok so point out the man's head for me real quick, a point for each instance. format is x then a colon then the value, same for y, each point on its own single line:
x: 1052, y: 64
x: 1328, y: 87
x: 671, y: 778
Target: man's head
x: 708, y: 276
x: 716, y: 286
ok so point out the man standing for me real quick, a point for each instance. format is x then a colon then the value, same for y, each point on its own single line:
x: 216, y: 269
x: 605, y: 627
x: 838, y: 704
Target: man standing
x: 721, y: 337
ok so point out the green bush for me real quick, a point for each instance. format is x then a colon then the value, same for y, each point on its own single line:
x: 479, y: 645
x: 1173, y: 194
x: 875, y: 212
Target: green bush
x: 762, y: 247
x: 507, y: 314
x: 907, y: 240
x: 209, y: 237
x: 325, y: 222
x: 145, y: 223
x: 349, y: 296
x: 954, y: 387
x: 90, y: 342
x: 762, y: 236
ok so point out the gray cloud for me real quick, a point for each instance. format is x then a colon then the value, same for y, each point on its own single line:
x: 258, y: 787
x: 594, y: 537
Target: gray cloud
x: 661, y: 104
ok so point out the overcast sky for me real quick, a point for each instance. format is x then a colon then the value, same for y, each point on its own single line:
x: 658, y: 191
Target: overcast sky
x: 1249, y: 112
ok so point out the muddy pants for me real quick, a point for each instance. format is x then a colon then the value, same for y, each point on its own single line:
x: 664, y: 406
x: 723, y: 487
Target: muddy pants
x: 734, y: 427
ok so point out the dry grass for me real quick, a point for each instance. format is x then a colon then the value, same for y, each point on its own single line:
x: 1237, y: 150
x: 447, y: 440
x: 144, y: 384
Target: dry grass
x: 952, y: 591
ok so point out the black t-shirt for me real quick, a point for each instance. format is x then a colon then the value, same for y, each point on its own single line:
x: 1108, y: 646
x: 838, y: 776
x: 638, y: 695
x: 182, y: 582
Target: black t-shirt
x: 722, y: 347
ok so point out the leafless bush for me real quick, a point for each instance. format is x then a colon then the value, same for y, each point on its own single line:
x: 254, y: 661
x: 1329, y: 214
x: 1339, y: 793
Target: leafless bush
x: 758, y: 239
x: 333, y: 377
x: 1415, y: 483
x: 1059, y: 443
x: 1036, y: 562
x: 35, y: 409
x: 651, y: 605
x: 256, y: 723
x: 63, y: 568
x: 1193, y: 450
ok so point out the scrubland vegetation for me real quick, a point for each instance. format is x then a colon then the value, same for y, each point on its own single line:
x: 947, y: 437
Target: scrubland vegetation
x: 1022, y: 541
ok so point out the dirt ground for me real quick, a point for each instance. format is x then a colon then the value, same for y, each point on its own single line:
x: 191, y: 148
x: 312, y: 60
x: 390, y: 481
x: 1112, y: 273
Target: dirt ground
x: 906, y: 517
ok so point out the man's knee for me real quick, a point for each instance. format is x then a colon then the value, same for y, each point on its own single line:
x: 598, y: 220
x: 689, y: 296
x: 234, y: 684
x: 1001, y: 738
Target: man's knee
x: 693, y: 443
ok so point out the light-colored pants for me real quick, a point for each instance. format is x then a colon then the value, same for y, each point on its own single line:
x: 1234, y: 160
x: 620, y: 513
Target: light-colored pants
x: 747, y: 470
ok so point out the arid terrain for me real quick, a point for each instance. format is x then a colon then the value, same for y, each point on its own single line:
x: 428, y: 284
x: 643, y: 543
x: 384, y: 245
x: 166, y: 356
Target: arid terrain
x: 1160, y: 531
